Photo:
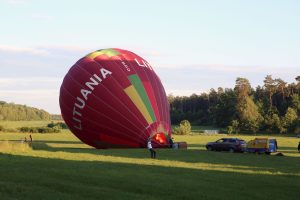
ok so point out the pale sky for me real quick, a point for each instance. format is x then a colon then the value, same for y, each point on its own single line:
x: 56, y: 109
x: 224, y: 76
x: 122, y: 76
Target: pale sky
x: 192, y: 45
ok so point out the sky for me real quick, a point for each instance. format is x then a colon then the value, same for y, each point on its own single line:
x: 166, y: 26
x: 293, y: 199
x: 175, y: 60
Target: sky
x: 192, y: 45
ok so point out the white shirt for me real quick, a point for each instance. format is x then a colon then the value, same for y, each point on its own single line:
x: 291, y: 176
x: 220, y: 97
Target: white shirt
x: 149, y: 145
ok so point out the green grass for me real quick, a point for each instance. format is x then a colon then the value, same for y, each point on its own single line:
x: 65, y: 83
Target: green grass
x: 13, y: 126
x: 59, y: 166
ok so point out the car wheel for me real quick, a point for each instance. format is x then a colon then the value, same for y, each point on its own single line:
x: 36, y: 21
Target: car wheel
x: 231, y: 150
x: 209, y: 148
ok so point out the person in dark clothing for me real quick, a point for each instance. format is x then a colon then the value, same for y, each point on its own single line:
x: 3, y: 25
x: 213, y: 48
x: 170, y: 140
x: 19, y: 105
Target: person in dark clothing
x: 299, y: 147
x: 149, y: 146
x: 171, y: 142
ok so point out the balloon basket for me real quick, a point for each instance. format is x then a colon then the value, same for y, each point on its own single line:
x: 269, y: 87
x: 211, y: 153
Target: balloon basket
x: 179, y: 145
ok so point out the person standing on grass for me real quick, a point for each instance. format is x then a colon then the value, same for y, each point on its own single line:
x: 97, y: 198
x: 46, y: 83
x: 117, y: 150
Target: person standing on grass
x: 171, y: 142
x: 149, y: 146
x: 299, y: 147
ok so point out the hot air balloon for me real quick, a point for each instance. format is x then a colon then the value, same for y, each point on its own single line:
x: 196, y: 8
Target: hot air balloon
x: 112, y: 98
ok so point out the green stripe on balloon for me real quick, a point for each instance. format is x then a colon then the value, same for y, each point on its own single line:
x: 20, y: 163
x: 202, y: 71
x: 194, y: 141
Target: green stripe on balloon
x: 138, y: 85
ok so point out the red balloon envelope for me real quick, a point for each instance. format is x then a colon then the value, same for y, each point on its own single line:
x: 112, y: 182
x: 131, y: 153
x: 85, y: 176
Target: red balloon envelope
x: 112, y: 98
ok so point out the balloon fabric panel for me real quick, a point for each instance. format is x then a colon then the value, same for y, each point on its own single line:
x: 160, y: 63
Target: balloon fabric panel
x: 112, y: 98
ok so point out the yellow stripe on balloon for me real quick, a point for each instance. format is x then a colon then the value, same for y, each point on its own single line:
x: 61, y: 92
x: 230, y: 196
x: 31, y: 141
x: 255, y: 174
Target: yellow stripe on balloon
x: 94, y: 54
x: 108, y: 52
x: 136, y: 99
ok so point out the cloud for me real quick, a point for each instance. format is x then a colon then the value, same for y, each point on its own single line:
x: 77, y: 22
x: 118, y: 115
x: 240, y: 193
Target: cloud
x: 231, y: 68
x: 66, y: 49
x: 45, y: 49
x: 42, y: 99
x: 23, y: 50
x: 41, y: 61
x: 15, y: 2
x: 27, y: 81
x: 70, y: 50
x: 39, y: 92
x: 28, y: 94
x: 30, y: 82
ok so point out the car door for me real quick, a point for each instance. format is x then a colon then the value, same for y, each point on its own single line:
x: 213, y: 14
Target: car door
x: 226, y: 145
x: 219, y: 144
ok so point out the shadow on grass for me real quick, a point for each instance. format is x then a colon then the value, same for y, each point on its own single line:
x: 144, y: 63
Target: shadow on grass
x: 288, y: 149
x: 234, y: 160
x: 26, y: 177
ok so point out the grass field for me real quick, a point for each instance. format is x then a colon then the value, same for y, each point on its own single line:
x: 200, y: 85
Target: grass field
x: 13, y: 126
x: 59, y: 166
x: 18, y: 124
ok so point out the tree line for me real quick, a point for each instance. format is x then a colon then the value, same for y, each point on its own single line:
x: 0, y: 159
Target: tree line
x: 273, y: 107
x: 16, y: 112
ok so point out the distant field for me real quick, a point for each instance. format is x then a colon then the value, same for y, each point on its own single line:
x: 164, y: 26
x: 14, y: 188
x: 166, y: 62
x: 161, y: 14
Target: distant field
x: 198, y: 129
x: 13, y: 126
x: 18, y: 124
x: 59, y: 166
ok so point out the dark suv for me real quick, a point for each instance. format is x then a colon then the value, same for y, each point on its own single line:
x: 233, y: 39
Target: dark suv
x: 227, y: 144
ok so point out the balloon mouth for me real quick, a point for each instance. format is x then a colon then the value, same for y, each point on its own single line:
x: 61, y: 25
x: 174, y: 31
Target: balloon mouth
x: 159, y: 134
x: 160, y: 138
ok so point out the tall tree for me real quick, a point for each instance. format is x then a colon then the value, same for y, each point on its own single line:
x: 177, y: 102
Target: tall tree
x: 289, y: 119
x: 247, y: 111
x: 281, y: 85
x: 242, y: 87
x: 270, y: 86
x: 225, y: 110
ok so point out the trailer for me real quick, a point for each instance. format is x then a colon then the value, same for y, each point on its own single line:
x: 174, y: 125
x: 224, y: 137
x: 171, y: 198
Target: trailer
x: 262, y: 145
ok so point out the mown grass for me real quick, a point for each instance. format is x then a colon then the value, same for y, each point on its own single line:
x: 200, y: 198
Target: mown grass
x: 59, y: 166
